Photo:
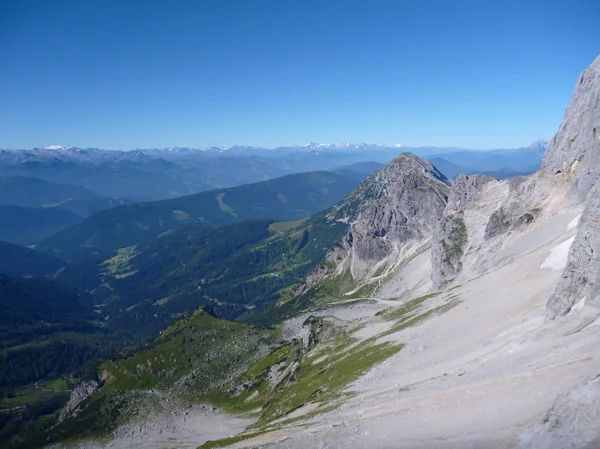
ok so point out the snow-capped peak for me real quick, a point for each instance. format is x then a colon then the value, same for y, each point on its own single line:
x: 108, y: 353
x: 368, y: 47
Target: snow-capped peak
x: 54, y: 148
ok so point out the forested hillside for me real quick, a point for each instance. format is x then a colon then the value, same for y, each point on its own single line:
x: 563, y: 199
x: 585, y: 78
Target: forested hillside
x: 19, y: 261
x: 284, y: 199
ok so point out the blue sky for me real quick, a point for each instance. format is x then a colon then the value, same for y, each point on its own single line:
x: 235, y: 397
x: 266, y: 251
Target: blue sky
x: 141, y: 74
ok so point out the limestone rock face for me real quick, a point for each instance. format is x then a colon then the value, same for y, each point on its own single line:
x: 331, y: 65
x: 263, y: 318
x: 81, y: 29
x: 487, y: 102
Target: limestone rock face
x: 581, y: 277
x: 575, y: 149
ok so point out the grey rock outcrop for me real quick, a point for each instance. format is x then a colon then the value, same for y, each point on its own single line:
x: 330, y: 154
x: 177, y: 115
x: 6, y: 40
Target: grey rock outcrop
x: 450, y: 235
x: 521, y: 207
x: 448, y: 248
x: 573, y: 421
x: 79, y: 394
x: 464, y: 190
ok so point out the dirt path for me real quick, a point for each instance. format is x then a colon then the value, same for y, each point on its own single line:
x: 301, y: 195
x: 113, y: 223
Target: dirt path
x: 41, y: 388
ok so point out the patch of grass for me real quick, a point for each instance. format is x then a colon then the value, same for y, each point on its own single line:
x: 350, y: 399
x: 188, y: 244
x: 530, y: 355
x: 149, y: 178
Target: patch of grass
x: 333, y: 287
x: 55, y: 385
x: 201, y: 346
x: 284, y: 226
x: 412, y: 314
x: 118, y: 265
x: 224, y: 207
x: 317, y: 373
x: 18, y: 400
x: 405, y: 309
x: 325, y: 381
x: 229, y: 441
x: 162, y: 301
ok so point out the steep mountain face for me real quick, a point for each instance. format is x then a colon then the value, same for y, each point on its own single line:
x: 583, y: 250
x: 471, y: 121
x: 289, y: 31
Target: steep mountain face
x: 575, y: 149
x: 485, y: 215
x: 581, y: 277
x: 575, y: 153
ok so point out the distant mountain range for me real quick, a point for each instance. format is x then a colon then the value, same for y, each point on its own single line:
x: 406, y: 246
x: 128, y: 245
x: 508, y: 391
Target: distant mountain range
x: 152, y: 174
x: 60, y: 186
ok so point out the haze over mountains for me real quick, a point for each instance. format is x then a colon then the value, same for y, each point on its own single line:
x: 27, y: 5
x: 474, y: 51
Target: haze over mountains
x: 147, y: 174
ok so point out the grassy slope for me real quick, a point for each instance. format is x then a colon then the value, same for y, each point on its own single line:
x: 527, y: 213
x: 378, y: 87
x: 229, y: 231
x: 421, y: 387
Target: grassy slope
x: 243, y: 369
x: 232, y: 365
x: 191, y: 360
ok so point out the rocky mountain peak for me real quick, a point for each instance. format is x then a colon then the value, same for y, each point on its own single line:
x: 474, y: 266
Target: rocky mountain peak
x: 575, y: 149
x: 408, y: 163
x: 389, y: 214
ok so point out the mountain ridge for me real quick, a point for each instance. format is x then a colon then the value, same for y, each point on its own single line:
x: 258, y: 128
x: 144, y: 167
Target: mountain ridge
x: 283, y: 199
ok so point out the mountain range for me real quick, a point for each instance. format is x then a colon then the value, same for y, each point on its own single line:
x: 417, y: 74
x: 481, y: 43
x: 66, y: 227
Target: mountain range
x: 150, y: 174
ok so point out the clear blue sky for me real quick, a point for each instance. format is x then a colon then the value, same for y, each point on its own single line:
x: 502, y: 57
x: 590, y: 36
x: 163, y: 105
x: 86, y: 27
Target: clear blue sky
x: 140, y: 74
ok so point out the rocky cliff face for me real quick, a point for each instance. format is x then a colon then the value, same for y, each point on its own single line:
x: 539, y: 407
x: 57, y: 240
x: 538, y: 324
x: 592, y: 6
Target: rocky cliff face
x: 581, y: 277
x: 575, y: 151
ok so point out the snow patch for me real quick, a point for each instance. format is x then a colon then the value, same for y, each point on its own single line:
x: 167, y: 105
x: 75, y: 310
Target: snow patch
x: 578, y: 305
x: 557, y: 259
x: 573, y: 223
